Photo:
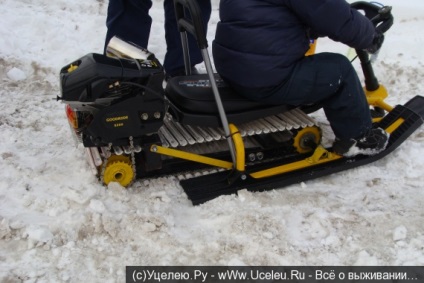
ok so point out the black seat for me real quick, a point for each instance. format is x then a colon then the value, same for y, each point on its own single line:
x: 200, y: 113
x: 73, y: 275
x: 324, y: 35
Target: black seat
x: 194, y: 103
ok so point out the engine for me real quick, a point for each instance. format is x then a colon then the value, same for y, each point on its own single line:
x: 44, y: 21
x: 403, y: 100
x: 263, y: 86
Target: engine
x: 110, y: 98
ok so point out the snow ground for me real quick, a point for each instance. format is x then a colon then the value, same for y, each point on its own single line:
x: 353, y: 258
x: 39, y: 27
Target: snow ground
x: 58, y: 224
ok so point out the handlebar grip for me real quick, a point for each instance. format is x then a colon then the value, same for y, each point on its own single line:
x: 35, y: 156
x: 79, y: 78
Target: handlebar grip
x: 193, y: 23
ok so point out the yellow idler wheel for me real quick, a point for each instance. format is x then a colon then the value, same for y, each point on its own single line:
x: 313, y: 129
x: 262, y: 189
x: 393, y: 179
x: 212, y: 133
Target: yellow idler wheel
x: 118, y: 169
x: 304, y: 137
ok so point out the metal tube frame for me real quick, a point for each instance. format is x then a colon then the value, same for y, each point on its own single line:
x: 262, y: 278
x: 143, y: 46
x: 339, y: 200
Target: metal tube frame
x: 222, y: 115
x: 186, y: 53
x: 219, y: 104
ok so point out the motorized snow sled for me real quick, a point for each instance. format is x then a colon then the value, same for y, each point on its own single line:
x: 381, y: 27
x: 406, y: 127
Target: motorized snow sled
x: 200, y: 129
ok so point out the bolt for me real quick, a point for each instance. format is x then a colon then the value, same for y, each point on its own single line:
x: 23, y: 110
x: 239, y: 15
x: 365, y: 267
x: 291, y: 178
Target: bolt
x: 260, y: 155
x: 157, y: 115
x: 144, y: 116
x: 252, y: 157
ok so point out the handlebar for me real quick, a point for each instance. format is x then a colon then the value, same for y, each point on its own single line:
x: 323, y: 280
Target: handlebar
x: 193, y: 23
x: 380, y: 16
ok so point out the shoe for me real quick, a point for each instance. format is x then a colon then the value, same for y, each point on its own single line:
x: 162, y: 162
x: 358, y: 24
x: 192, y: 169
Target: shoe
x: 181, y: 72
x: 372, y: 143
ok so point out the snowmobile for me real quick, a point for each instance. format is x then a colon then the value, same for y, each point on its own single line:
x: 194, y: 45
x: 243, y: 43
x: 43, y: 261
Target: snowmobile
x: 199, y: 129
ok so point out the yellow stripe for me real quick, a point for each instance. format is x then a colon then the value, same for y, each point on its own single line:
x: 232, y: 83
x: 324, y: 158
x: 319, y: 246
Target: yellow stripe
x: 191, y: 156
x: 239, y: 146
x: 395, y: 125
x: 320, y: 156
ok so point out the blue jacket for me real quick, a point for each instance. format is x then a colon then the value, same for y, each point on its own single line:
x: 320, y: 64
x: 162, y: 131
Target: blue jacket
x: 258, y: 42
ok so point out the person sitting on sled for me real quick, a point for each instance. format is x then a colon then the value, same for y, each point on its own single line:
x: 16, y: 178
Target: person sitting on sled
x: 259, y: 49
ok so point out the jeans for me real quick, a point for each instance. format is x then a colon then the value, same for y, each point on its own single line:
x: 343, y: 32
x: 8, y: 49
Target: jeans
x: 328, y: 79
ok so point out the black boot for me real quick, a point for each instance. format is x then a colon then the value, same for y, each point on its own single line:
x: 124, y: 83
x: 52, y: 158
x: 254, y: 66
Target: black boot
x: 372, y: 143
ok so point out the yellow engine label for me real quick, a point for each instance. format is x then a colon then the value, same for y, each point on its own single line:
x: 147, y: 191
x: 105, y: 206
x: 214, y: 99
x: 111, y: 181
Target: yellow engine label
x: 116, y: 121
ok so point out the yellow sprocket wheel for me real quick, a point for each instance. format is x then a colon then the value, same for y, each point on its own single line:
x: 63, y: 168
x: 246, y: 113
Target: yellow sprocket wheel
x: 305, y: 137
x: 118, y: 169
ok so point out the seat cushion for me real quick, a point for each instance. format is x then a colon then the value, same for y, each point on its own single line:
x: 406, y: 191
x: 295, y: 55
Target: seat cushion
x: 194, y: 94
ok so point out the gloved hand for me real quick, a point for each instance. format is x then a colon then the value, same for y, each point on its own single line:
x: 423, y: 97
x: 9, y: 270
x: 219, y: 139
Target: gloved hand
x: 376, y: 43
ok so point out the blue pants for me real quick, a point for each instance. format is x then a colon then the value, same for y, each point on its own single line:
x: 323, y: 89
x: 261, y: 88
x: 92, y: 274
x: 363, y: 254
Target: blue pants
x: 331, y: 80
x: 130, y: 20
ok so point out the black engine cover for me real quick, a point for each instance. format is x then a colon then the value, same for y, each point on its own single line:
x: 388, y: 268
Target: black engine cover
x: 91, y: 77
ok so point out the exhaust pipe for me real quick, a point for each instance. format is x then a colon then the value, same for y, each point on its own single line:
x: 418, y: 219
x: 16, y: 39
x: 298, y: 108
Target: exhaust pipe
x: 118, y: 48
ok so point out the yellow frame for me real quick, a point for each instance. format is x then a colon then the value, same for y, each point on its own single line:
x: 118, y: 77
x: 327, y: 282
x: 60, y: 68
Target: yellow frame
x: 319, y: 156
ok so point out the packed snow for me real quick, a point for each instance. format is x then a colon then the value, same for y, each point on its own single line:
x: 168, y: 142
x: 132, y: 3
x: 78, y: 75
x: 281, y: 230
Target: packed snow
x: 59, y: 224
